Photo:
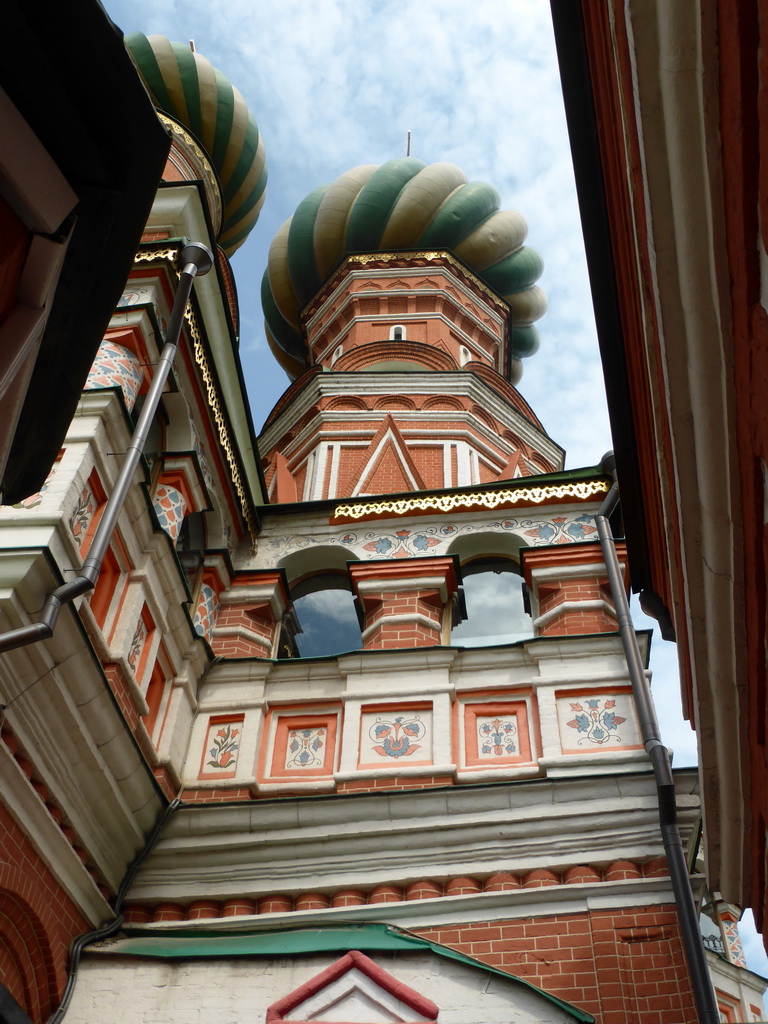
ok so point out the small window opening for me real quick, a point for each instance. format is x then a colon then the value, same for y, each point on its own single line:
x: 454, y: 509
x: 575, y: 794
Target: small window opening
x: 397, y: 333
x: 493, y: 591
x: 325, y: 608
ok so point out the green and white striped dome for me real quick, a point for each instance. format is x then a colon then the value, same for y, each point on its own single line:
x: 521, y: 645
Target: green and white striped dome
x: 404, y: 204
x: 188, y: 88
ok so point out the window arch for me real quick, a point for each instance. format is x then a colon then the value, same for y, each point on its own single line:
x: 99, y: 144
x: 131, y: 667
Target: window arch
x: 327, y: 615
x: 493, y: 590
x: 323, y: 603
x: 397, y: 333
x: 495, y: 604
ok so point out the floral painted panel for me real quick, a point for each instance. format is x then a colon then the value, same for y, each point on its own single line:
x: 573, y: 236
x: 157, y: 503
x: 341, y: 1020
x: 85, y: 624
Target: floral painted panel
x: 434, y: 537
x: 222, y: 747
x: 597, y: 721
x: 305, y: 748
x: 399, y: 736
x: 82, y: 515
x: 496, y: 737
x: 138, y: 640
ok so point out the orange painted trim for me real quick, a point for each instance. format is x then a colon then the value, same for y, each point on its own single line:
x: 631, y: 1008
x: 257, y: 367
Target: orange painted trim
x: 471, y: 712
x: 284, y: 723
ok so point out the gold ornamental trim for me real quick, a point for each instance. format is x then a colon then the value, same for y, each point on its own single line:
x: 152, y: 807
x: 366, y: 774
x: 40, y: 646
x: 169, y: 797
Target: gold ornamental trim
x: 151, y: 255
x: 363, y: 259
x: 210, y: 178
x: 214, y: 403
x: 218, y: 415
x: 581, y: 490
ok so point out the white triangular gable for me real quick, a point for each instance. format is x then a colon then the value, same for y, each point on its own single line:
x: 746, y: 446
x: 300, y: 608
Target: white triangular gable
x: 354, y: 990
x: 354, y: 997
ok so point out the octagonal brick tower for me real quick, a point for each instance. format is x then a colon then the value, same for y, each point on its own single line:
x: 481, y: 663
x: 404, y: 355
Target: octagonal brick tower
x: 402, y: 301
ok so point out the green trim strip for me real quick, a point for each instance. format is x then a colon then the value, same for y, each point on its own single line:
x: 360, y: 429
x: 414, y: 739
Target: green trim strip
x: 515, y: 272
x: 524, y: 342
x: 284, y: 335
x: 146, y: 61
x: 301, y: 250
x: 461, y: 213
x: 376, y: 200
x: 225, y: 107
x: 245, y: 161
x: 246, y: 207
x: 368, y: 937
x: 190, y: 83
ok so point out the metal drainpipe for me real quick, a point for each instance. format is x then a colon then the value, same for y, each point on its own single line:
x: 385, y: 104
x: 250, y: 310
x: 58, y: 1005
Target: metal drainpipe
x: 99, y: 934
x: 662, y: 768
x: 195, y: 260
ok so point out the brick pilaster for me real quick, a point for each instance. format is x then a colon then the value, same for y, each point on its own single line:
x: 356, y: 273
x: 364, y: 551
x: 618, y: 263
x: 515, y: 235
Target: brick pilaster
x: 405, y: 602
x: 251, y: 612
x: 569, y: 589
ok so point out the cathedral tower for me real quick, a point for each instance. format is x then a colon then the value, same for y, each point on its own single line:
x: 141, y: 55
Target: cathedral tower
x: 347, y: 735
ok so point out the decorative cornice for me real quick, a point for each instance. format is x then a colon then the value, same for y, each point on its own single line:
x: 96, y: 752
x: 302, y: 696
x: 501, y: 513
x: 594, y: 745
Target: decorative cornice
x: 580, y: 490
x: 363, y: 259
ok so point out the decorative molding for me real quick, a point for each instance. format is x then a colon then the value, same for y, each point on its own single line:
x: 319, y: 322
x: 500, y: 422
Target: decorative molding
x: 581, y: 490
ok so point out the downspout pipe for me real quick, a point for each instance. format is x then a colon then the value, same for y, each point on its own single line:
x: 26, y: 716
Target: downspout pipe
x: 108, y: 930
x: 195, y: 259
x: 704, y: 994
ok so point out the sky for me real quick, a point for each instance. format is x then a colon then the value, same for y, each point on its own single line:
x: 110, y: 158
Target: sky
x: 337, y: 83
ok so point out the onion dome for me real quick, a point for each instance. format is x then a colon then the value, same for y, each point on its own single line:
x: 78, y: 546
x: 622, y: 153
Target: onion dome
x: 188, y: 88
x: 404, y: 204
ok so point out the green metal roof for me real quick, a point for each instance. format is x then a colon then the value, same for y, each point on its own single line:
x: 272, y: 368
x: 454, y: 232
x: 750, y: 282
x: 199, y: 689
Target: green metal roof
x: 194, y: 943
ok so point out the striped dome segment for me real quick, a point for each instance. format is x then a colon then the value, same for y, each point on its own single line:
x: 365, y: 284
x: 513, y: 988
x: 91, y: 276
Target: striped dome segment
x: 187, y: 87
x: 404, y: 204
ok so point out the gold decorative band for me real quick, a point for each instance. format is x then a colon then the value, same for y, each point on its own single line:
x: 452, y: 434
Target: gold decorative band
x: 363, y: 259
x: 579, y: 489
x: 171, y: 255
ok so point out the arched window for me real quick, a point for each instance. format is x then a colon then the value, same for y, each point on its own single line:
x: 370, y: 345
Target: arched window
x: 397, y: 333
x: 325, y: 608
x: 493, y: 591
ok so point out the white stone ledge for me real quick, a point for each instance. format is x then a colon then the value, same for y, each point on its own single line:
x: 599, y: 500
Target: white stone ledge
x: 542, y: 901
x: 574, y: 606
x: 407, y: 619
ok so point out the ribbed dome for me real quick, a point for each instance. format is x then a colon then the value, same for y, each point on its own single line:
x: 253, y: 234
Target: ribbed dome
x: 188, y: 88
x: 404, y: 204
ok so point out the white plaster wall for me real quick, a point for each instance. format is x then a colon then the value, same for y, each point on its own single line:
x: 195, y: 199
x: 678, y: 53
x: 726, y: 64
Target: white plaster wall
x: 239, y: 990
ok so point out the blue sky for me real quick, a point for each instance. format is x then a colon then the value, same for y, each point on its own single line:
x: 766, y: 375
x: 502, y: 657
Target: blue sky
x: 333, y: 84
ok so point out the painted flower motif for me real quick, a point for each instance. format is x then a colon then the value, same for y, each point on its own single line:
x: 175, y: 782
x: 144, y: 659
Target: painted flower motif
x: 304, y: 747
x: 82, y: 515
x: 596, y: 723
x: 545, y: 532
x: 396, y: 738
x: 581, y: 527
x: 381, y: 545
x: 497, y: 737
x: 224, y: 746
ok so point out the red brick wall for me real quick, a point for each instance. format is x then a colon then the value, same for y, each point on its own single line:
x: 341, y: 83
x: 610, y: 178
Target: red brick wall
x: 37, y: 924
x: 623, y: 966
